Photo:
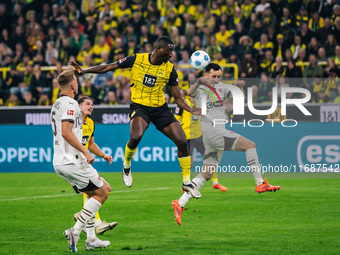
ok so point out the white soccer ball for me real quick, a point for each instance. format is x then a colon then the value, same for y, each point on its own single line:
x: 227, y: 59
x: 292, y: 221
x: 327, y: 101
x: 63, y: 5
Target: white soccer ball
x: 199, y: 60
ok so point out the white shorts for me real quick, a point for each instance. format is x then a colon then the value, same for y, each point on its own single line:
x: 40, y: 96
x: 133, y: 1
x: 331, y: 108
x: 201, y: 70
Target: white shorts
x: 82, y: 177
x: 216, y: 141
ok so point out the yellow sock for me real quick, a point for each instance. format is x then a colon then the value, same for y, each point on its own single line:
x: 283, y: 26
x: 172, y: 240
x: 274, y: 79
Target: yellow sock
x: 185, y: 163
x: 214, y: 178
x: 128, y: 155
x: 97, y: 217
x: 84, y: 198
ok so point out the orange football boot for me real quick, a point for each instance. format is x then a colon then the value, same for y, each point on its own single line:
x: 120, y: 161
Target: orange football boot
x: 265, y: 186
x: 220, y: 187
x: 178, y: 211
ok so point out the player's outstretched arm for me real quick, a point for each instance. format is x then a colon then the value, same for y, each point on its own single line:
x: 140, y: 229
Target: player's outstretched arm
x: 69, y: 136
x: 179, y: 100
x: 94, y: 69
x: 93, y: 147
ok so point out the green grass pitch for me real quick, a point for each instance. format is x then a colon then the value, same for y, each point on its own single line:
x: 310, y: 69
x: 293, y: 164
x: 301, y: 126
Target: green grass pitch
x: 302, y: 218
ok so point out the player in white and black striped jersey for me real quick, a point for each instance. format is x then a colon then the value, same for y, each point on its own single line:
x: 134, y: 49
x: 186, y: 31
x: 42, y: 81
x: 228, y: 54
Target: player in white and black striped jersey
x: 72, y: 161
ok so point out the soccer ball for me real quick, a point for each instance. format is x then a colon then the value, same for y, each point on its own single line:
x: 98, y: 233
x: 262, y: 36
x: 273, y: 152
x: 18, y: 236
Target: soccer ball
x: 199, y: 60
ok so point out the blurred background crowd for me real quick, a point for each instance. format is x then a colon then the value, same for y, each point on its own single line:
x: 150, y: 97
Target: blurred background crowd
x: 267, y: 40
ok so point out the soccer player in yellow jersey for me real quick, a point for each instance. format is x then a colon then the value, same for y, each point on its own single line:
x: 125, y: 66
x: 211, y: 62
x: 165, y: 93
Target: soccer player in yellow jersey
x: 192, y: 128
x: 150, y: 72
x: 86, y: 107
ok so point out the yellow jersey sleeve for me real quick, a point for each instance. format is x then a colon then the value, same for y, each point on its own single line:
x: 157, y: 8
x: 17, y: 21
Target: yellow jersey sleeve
x: 88, y: 132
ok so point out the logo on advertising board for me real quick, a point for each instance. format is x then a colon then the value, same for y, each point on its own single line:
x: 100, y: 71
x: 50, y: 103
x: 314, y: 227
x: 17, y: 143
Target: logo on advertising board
x: 319, y: 153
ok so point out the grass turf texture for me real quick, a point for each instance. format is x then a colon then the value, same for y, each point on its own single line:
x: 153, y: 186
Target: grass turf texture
x: 302, y: 218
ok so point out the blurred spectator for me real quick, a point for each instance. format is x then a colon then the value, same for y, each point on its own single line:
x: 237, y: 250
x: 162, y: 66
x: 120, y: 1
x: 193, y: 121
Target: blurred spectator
x: 172, y: 21
x: 293, y: 71
x: 28, y: 74
x: 122, y: 87
x: 55, y: 90
x: 207, y: 20
x: 220, y: 60
x: 316, y: 22
x: 130, y: 35
x: 50, y: 53
x: 90, y: 28
x: 109, y: 86
x: 266, y: 62
x: 230, y: 49
x: 268, y: 18
x: 110, y: 99
x: 236, y: 19
x: 263, y: 45
x: 18, y: 37
x: 12, y: 80
x: 311, y: 71
x: 313, y: 46
x: 322, y: 33
x: 239, y: 33
x: 305, y: 33
x: 88, y: 89
x: 249, y: 67
x: 77, y: 41
x: 39, y: 82
x: 297, y: 46
x: 222, y: 36
x: 44, y: 100
x: 245, y: 45
x: 330, y: 45
x: 98, y: 49
x: 13, y: 100
x: 322, y: 54
x: 247, y: 7
x: 279, y: 46
x: 28, y: 99
x: 331, y: 84
x: 264, y: 89
x: 185, y: 61
x: 213, y: 47
x: 279, y: 68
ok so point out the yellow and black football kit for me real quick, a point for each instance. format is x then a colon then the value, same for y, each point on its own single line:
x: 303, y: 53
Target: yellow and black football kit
x: 147, y: 88
x: 191, y: 125
x: 88, y: 132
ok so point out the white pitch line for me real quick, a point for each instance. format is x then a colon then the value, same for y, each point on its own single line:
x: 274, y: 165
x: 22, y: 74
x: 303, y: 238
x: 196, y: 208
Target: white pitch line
x: 66, y: 195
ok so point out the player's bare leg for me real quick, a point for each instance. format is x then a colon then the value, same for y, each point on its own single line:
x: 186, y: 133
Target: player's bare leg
x: 138, y: 127
x: 175, y: 132
x: 198, y: 182
x: 249, y: 148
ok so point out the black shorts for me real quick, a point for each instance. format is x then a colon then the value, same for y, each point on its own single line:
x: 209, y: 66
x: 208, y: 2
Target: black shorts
x: 198, y: 144
x: 159, y: 116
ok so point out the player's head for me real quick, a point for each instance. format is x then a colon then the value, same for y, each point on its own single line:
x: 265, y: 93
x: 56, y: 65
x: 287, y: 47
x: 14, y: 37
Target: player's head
x: 213, y: 71
x: 164, y: 48
x: 86, y: 105
x: 68, y: 81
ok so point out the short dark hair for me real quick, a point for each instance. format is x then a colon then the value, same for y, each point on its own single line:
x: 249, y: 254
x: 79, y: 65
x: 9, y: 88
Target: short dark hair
x: 82, y: 99
x: 213, y: 66
x: 163, y: 41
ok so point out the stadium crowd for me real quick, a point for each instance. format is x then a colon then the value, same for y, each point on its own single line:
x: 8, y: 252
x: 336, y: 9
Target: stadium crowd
x: 257, y: 35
